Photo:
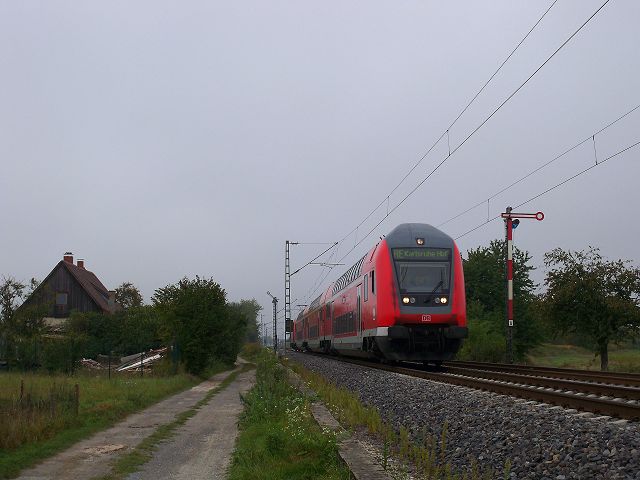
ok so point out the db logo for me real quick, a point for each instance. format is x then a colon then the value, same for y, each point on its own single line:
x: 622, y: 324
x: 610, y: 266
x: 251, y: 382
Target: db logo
x: 426, y: 318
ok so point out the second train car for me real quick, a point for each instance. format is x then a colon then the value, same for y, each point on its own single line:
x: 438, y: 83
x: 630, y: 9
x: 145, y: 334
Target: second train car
x: 403, y: 301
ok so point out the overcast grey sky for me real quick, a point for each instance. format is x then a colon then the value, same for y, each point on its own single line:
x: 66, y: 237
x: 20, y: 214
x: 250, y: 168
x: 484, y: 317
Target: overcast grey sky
x: 159, y: 139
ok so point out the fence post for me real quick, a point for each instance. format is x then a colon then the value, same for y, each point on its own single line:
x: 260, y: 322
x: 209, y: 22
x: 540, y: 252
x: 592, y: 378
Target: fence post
x: 21, y: 389
x: 77, y: 398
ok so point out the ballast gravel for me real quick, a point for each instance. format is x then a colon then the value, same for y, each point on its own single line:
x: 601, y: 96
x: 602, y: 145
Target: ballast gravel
x: 541, y: 442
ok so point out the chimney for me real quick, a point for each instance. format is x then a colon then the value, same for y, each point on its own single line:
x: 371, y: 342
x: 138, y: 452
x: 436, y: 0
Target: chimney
x: 81, y: 263
x: 112, y: 299
x: 68, y: 257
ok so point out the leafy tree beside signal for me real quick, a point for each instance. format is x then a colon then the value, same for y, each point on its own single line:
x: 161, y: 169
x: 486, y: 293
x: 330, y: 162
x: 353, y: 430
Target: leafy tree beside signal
x: 593, y: 297
x: 484, y: 272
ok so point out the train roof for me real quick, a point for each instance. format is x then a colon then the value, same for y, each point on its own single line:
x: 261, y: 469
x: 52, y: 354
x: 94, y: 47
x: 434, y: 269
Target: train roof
x: 406, y: 234
x: 403, y: 235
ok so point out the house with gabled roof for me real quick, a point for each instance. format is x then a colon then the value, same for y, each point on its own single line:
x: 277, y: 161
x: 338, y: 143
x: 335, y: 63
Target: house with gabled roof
x: 71, y: 287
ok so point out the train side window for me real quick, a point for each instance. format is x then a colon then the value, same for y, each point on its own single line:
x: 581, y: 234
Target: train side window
x: 373, y: 283
x: 366, y: 288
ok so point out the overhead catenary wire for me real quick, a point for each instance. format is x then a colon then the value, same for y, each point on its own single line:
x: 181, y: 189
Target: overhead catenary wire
x: 320, y: 278
x: 451, y: 125
x: 557, y: 185
x: 469, y: 136
x: 561, y: 183
x: 314, y: 258
x: 475, y: 130
x: 386, y: 199
x: 544, y: 165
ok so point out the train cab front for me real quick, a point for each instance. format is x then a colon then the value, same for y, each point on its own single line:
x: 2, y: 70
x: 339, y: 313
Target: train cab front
x: 429, y: 314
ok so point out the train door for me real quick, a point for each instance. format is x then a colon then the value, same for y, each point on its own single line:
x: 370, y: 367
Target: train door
x: 325, y: 324
x: 359, y: 312
x: 330, y: 325
x: 305, y: 330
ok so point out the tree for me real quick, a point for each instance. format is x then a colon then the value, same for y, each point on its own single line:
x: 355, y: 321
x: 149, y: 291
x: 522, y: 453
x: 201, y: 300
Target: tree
x: 21, y: 326
x: 484, y: 272
x: 128, y: 296
x: 11, y: 291
x: 249, y: 309
x: 592, y: 296
x: 197, y: 321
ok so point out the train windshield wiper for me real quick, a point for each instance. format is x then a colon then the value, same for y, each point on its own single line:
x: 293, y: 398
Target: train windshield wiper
x: 437, y: 286
x: 403, y: 273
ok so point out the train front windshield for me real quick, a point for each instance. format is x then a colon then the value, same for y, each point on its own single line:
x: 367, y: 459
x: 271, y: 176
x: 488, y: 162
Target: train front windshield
x: 423, y: 270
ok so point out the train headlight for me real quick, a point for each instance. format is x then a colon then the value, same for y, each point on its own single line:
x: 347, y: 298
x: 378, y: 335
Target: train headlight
x: 420, y: 241
x: 437, y: 299
x: 405, y: 300
x: 443, y: 300
x: 412, y: 300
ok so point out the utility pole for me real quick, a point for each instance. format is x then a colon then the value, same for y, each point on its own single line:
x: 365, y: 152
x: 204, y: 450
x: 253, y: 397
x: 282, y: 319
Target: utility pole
x: 261, y: 332
x: 274, y: 300
x: 287, y: 292
x: 510, y: 224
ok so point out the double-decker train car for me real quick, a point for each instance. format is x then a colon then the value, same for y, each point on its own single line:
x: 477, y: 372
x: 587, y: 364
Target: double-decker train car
x: 403, y: 300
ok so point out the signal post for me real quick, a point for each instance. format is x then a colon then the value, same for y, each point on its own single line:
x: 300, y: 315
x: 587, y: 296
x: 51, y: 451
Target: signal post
x: 274, y: 300
x: 511, y: 221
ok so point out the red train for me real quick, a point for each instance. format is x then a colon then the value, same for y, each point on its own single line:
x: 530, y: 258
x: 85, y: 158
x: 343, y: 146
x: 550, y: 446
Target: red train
x: 404, y: 300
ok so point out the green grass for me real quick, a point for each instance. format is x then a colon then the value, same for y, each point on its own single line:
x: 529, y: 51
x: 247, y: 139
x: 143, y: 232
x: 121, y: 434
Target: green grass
x: 278, y: 437
x: 624, y: 358
x: 426, y: 455
x: 251, y: 351
x: 46, y: 430
x: 132, y: 462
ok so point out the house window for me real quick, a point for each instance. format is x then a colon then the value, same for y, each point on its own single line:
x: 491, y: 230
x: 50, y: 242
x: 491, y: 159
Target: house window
x: 60, y: 309
x: 61, y: 299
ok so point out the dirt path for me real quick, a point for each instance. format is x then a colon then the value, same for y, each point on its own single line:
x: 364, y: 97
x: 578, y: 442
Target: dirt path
x: 93, y: 457
x: 202, y: 447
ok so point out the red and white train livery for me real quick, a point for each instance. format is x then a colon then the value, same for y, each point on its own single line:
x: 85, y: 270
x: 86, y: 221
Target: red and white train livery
x: 404, y: 300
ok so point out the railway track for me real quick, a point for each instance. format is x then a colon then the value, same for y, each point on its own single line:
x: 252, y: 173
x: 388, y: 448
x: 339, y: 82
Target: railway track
x: 614, y: 378
x: 572, y: 389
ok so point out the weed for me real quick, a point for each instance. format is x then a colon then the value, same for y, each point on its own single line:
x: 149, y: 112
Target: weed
x: 427, y: 453
x: 507, y: 470
x: 278, y: 436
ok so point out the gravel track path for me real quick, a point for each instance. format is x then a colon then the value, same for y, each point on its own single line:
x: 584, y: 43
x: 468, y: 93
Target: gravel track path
x: 541, y: 442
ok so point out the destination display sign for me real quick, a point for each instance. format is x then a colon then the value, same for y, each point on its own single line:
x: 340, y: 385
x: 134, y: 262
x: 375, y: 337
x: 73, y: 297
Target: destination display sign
x: 421, y: 253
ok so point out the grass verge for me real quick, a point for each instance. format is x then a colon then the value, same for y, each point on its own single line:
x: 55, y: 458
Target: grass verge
x: 424, y: 457
x: 43, y: 423
x: 278, y: 436
x: 140, y: 455
x: 625, y: 358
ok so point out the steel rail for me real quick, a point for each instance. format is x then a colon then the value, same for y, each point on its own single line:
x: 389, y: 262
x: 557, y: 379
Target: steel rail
x: 630, y: 379
x: 613, y: 408
x: 617, y: 391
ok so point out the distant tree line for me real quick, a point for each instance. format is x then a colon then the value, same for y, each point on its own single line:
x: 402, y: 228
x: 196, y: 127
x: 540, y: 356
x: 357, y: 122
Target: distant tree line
x: 192, y: 317
x: 593, y: 300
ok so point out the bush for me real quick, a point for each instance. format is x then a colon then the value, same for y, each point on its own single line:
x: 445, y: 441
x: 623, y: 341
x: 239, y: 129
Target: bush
x: 484, y: 343
x: 250, y: 351
x: 197, y: 319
